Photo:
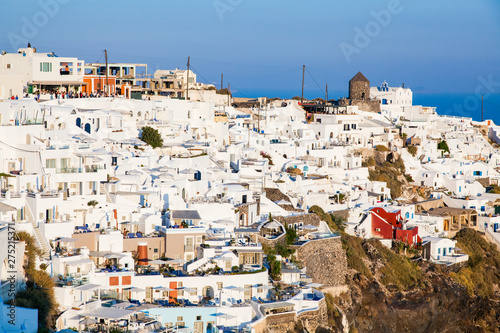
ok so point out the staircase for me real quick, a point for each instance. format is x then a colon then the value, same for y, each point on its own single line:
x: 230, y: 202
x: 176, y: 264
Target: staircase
x: 103, y: 189
x: 40, y: 238
x: 217, y: 162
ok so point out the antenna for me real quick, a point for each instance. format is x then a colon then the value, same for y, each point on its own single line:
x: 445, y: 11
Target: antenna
x: 303, y: 73
x: 187, y: 79
x: 482, y: 108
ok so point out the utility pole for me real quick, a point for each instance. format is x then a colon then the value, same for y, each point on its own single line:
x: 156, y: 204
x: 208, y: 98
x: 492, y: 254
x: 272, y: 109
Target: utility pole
x: 258, y: 119
x: 482, y: 108
x: 303, y: 73
x: 229, y: 94
x: 106, y: 90
x: 222, y: 81
x: 187, y: 79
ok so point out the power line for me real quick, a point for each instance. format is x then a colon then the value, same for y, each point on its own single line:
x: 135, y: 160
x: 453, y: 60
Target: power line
x: 312, y: 77
x: 197, y: 73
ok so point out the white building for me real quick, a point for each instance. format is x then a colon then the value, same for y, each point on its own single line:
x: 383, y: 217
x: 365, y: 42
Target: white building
x: 40, y: 71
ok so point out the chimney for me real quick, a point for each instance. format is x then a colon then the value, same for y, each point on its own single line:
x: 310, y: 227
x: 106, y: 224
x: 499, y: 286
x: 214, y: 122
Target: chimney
x: 142, y: 253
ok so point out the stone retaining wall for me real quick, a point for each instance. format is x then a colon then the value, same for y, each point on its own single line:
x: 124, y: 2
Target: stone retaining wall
x: 325, y: 261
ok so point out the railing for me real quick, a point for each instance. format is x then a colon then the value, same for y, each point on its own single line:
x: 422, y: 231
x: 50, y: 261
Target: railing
x: 69, y: 170
x: 93, y: 168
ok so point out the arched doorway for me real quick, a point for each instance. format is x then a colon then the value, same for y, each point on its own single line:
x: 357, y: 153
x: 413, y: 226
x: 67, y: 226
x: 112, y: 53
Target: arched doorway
x: 243, y: 219
x: 87, y: 128
x: 78, y: 122
x: 208, y: 292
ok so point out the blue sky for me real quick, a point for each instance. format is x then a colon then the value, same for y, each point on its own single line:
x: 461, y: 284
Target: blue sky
x: 260, y: 45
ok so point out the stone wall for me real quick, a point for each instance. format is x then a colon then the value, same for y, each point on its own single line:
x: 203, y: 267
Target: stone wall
x: 311, y: 320
x: 285, y: 322
x: 372, y: 105
x: 281, y: 239
x: 281, y: 323
x: 325, y: 260
x: 308, y: 218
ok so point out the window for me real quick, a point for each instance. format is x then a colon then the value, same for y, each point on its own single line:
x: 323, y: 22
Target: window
x: 198, y: 317
x: 439, y: 251
x: 199, y: 239
x: 377, y: 229
x: 50, y: 163
x: 8, y: 66
x: 155, y: 250
x: 194, y: 293
x: 45, y: 67
x: 180, y: 318
x: 220, y: 285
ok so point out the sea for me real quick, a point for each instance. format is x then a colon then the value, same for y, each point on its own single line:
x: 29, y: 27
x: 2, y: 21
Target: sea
x: 453, y: 104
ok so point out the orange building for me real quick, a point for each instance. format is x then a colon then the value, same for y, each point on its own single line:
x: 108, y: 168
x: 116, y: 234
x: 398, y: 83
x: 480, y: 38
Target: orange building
x: 98, y: 83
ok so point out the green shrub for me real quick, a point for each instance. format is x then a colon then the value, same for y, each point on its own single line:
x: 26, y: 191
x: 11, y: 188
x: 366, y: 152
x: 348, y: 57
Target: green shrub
x: 354, y: 251
x: 151, y: 136
x: 381, y: 148
x: 444, y: 146
x: 412, y: 150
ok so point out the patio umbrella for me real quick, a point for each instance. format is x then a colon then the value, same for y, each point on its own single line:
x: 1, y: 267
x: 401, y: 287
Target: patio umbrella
x: 157, y: 262
x: 135, y: 289
x: 186, y: 289
x: 88, y: 321
x: 309, y: 227
x: 163, y: 289
x: 177, y: 261
x: 113, y: 256
x: 66, y: 240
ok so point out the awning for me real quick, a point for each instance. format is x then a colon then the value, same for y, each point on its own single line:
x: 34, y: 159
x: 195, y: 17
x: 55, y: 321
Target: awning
x: 79, y: 262
x: 109, y: 313
x: 59, y: 83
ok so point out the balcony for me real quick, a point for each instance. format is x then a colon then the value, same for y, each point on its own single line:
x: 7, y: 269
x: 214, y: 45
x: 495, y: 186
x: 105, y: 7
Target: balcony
x: 93, y: 168
x: 69, y: 170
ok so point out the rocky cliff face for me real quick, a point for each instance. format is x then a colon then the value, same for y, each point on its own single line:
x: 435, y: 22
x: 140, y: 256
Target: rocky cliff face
x: 422, y: 297
x: 389, y: 292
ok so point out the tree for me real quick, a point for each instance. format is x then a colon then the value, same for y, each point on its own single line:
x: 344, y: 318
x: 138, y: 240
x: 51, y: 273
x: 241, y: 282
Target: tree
x: 412, y: 150
x: 151, y: 136
x: 92, y: 203
x: 39, y: 293
x: 444, y: 146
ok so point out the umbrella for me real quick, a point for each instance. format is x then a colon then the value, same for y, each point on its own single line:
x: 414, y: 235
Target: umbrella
x: 113, y: 256
x: 66, y: 240
x: 163, y: 289
x: 309, y: 227
x: 135, y: 289
x: 158, y: 262
x: 88, y: 321
x: 188, y: 290
x: 177, y: 261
